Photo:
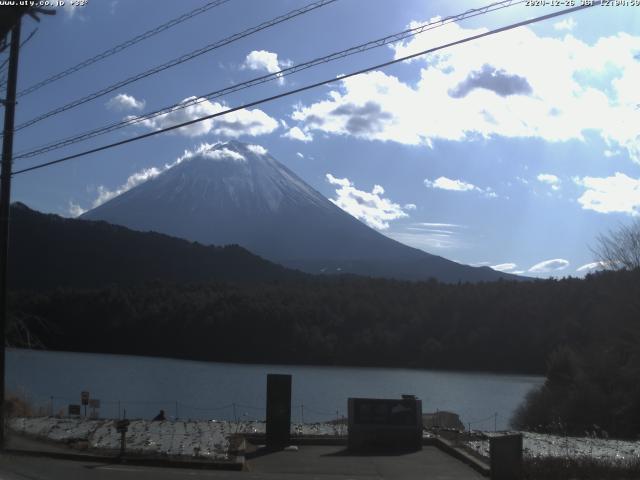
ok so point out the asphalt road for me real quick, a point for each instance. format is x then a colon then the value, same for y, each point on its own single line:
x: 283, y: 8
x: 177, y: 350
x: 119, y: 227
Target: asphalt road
x: 42, y: 468
x: 317, y: 463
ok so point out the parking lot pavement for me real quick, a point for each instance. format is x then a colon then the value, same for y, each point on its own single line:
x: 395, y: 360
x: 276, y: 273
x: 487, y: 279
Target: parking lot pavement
x: 336, y: 462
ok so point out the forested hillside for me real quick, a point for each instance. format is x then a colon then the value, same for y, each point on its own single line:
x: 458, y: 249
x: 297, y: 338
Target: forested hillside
x: 49, y: 251
x: 501, y: 326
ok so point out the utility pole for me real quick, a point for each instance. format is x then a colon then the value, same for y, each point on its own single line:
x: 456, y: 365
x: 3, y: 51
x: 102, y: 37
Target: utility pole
x: 5, y: 201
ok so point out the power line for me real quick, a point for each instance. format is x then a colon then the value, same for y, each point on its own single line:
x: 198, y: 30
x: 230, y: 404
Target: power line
x: 122, y: 46
x: 177, y: 61
x: 267, y: 78
x: 309, y: 87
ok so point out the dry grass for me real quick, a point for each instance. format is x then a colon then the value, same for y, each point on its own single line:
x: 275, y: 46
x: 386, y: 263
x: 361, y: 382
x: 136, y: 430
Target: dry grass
x: 19, y: 405
x: 554, y: 468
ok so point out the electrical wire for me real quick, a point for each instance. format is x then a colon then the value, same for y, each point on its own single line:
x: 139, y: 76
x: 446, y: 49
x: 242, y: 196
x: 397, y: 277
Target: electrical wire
x: 267, y: 78
x: 122, y: 46
x: 176, y: 61
x: 309, y: 87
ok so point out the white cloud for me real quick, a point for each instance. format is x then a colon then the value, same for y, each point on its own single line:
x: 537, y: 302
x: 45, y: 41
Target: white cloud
x: 425, y: 241
x: 430, y: 235
x: 370, y: 207
x: 104, y: 194
x: 504, y: 267
x: 497, y: 86
x: 444, y: 233
x: 265, y: 60
x: 296, y: 133
x: 122, y: 101
x: 567, y: 24
x: 257, y: 149
x: 235, y: 124
x: 223, y: 154
x: 549, y: 266
x: 298, y: 154
x: 74, y: 209
x: 445, y: 183
x: 262, y: 60
x: 591, y: 266
x: 618, y: 193
x: 549, y: 179
x: 410, y: 206
x: 437, y: 224
x: 73, y: 11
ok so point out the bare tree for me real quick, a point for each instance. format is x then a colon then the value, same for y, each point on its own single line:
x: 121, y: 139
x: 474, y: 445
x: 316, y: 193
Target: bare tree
x: 620, y: 248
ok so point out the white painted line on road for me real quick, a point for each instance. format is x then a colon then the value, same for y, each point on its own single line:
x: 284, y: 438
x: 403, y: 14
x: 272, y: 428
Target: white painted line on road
x: 119, y: 469
x: 140, y: 469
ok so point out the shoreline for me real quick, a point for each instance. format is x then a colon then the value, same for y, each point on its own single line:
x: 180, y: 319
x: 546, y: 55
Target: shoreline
x: 501, y: 373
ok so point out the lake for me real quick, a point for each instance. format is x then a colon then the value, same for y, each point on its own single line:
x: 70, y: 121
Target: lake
x: 209, y: 390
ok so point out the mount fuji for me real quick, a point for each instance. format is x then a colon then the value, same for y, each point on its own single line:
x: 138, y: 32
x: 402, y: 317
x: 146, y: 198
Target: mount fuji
x: 234, y: 193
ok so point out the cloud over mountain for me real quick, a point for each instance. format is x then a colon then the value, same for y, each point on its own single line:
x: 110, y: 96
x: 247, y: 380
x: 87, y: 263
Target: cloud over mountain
x: 370, y: 207
x: 235, y: 124
x: 549, y: 266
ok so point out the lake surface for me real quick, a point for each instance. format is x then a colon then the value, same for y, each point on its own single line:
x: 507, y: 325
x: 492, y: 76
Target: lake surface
x: 208, y: 390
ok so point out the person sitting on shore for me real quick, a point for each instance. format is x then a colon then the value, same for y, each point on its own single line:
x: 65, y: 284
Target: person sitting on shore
x: 160, y: 417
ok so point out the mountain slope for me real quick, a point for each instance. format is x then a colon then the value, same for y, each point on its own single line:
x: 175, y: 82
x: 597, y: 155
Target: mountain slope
x: 237, y: 193
x: 48, y: 251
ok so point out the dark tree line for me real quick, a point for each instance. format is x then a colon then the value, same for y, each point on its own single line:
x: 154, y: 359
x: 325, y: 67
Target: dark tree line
x: 499, y: 326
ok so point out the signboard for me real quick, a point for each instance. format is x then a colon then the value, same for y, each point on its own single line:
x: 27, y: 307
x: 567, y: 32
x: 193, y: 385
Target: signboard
x: 84, y: 398
x: 505, y: 452
x: 384, y: 412
x: 94, y: 403
x: 74, y: 409
x: 122, y: 426
x: 388, y: 424
x: 278, y: 429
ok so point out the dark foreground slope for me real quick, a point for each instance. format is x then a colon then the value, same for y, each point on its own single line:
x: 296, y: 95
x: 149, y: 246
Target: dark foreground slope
x: 49, y: 251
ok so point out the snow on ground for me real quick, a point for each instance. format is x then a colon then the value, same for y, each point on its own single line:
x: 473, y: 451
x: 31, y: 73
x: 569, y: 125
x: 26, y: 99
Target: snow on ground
x: 538, y: 445
x: 208, y: 439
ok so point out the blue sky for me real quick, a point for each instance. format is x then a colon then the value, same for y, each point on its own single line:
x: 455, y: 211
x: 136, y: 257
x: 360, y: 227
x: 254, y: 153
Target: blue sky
x: 514, y: 151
